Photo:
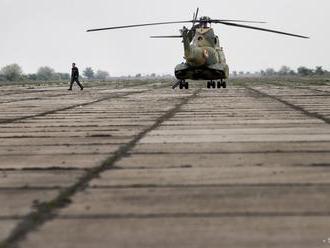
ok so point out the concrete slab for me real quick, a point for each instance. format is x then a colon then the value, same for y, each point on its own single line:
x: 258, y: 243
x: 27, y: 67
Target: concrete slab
x: 6, y: 227
x: 236, y: 138
x: 68, y: 133
x: 19, y: 202
x: 39, y: 178
x: 58, y: 149
x: 221, y: 160
x: 243, y: 131
x: 192, y: 176
x: 233, y: 168
x: 239, y: 121
x: 279, y: 232
x: 222, y: 200
x: 243, y: 147
x: 45, y: 141
x: 50, y: 161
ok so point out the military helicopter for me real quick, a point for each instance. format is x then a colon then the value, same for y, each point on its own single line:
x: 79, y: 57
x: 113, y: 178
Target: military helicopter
x: 204, y: 57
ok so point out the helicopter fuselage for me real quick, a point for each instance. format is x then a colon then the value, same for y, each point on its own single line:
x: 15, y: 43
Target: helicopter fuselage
x: 204, y: 58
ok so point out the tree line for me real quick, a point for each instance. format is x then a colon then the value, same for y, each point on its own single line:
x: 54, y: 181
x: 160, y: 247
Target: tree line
x: 14, y: 72
x: 286, y: 71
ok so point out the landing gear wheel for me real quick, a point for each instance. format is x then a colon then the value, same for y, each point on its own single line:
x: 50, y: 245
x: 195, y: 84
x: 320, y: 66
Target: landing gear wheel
x: 183, y: 84
x: 219, y: 84
x: 208, y: 84
x: 213, y: 84
x: 224, y: 84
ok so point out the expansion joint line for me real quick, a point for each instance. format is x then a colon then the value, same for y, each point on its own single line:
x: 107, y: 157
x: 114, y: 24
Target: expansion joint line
x: 292, y: 106
x: 49, y: 210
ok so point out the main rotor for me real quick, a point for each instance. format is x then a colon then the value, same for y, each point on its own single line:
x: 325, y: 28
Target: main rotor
x: 203, y: 22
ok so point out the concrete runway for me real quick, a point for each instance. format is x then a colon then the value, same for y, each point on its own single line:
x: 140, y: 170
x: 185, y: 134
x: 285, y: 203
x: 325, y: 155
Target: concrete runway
x: 148, y: 166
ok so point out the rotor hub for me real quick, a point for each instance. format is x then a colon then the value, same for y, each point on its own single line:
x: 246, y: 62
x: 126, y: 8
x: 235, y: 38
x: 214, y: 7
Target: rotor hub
x: 204, y: 21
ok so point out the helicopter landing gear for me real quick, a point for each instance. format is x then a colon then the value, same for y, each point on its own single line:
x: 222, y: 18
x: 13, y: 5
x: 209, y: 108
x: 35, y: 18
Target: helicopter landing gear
x: 182, y: 84
x: 219, y: 84
x: 211, y: 84
x: 222, y: 84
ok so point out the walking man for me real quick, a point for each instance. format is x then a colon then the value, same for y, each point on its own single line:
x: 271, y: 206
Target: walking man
x: 75, y: 77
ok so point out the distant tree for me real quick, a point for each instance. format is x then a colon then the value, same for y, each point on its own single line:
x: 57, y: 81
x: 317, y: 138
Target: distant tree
x: 292, y: 73
x: 270, y: 72
x: 12, y: 72
x: 89, y: 73
x: 32, y: 76
x: 153, y: 75
x: 61, y: 76
x: 319, y: 70
x: 138, y: 75
x: 102, y: 75
x: 46, y: 73
x: 234, y: 73
x: 304, y: 71
x: 284, y: 70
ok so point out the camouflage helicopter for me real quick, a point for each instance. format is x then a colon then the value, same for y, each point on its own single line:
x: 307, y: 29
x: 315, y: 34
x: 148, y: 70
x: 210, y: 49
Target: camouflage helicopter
x: 204, y: 57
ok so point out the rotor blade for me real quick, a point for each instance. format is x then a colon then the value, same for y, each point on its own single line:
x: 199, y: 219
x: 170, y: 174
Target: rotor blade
x: 262, y: 29
x: 216, y: 21
x: 167, y: 36
x: 136, y: 25
x: 195, y: 18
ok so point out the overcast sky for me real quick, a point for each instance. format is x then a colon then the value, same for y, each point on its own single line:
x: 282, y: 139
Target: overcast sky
x: 36, y: 33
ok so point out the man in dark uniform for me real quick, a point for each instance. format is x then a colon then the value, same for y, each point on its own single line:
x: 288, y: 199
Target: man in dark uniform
x: 75, y: 77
